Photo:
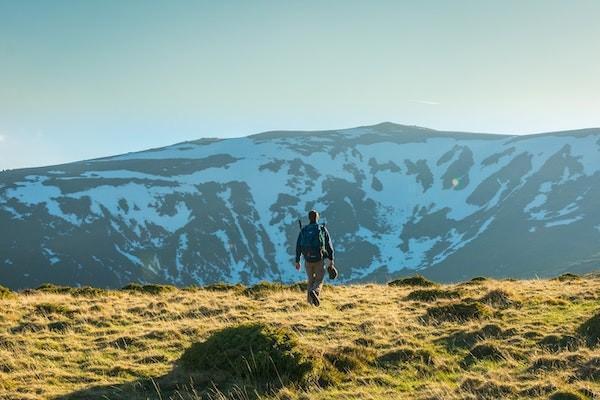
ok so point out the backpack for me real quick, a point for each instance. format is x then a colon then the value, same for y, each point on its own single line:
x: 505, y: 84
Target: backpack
x: 312, y: 242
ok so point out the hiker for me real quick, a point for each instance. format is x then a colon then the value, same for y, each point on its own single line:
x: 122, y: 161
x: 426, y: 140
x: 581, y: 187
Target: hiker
x: 315, y: 246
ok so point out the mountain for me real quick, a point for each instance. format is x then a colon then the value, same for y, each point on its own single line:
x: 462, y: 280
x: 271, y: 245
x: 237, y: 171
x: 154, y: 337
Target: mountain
x: 396, y: 199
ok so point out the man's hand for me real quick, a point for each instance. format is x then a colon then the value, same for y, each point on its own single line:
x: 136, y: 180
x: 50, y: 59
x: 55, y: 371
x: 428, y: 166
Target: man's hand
x: 297, y: 266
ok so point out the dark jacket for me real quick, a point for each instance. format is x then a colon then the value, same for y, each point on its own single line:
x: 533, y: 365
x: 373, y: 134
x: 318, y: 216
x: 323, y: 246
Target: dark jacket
x: 329, y: 253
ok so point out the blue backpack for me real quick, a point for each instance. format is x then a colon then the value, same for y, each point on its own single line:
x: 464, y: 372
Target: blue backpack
x: 312, y: 242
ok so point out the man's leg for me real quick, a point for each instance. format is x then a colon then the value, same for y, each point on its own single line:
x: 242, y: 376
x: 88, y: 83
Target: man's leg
x: 319, y: 270
x: 310, y: 280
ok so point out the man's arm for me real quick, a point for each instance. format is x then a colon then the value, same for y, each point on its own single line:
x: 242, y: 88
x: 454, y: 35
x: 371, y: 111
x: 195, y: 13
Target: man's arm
x: 298, y: 249
x: 328, y: 245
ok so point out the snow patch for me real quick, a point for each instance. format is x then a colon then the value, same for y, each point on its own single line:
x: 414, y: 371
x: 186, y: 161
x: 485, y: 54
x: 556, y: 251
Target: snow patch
x: 52, y: 256
x: 135, y: 260
x: 563, y: 221
x: 537, y: 202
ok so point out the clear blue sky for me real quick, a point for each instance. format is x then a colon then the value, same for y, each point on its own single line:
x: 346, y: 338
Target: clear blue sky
x: 82, y: 79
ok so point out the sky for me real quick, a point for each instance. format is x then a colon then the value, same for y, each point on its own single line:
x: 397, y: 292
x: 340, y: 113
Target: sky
x: 83, y: 79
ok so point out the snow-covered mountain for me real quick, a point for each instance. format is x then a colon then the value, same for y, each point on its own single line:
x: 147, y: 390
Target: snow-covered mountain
x: 395, y: 198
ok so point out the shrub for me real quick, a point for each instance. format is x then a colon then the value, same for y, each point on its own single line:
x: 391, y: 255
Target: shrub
x: 149, y: 289
x: 590, y: 331
x: 458, y: 312
x: 416, y: 280
x: 428, y: 295
x: 252, y: 355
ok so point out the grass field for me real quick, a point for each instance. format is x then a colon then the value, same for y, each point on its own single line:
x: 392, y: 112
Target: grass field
x: 483, y: 339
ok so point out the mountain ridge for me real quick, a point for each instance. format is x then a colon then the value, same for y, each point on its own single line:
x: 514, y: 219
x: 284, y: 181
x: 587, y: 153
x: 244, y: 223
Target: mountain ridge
x: 398, y: 198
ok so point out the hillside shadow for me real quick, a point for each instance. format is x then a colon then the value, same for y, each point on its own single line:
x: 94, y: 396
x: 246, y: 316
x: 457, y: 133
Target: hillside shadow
x: 160, y: 387
x: 245, y: 361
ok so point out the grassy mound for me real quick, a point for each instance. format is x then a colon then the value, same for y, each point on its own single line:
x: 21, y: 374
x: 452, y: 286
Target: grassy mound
x: 475, y: 281
x: 538, y: 390
x: 149, y: 289
x: 224, y: 287
x: 428, y: 295
x: 251, y: 355
x: 487, y: 389
x: 350, y: 358
x: 59, y: 326
x: 568, y: 277
x: 52, y: 288
x: 85, y: 291
x: 416, y: 280
x: 556, y: 343
x: 484, y: 351
x: 499, y: 299
x: 467, y: 339
x: 590, y: 331
x: 457, y: 312
x: 563, y: 395
x: 50, y: 308
x: 549, y: 364
x: 590, y: 370
x: 5, y: 292
x: 479, y: 279
x: 265, y: 288
x: 407, y: 354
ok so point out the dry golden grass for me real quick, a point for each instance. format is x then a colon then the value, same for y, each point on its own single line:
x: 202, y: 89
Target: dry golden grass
x: 53, y: 345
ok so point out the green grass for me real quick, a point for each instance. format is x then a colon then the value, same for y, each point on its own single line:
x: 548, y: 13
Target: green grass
x: 498, y: 339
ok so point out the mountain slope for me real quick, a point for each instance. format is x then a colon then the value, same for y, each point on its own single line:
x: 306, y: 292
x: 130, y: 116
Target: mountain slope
x: 451, y: 205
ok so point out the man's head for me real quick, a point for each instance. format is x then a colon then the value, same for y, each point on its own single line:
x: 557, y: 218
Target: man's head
x: 313, y: 216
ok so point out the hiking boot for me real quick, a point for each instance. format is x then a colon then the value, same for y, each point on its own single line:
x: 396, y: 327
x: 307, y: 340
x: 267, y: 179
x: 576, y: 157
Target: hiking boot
x: 314, y: 297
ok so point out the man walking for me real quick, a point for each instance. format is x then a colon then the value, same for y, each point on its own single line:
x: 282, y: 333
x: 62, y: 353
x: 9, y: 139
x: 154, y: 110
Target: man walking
x: 315, y: 245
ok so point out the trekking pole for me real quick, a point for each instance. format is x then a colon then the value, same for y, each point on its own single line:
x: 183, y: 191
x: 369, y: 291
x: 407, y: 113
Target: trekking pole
x: 300, y: 223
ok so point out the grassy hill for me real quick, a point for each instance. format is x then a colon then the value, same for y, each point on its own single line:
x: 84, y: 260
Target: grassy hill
x: 412, y: 340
